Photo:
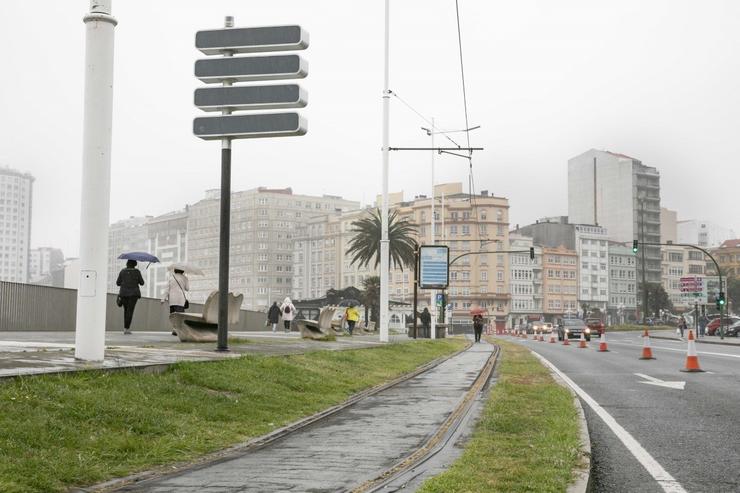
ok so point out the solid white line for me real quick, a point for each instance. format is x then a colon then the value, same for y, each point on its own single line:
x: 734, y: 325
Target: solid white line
x: 665, y: 480
x: 708, y: 353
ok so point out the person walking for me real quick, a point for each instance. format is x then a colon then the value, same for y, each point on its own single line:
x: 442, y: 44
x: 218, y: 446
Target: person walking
x: 426, y: 322
x: 478, y: 326
x: 175, y: 294
x: 352, y: 315
x: 288, y: 312
x: 273, y: 316
x: 129, y: 280
x: 682, y: 325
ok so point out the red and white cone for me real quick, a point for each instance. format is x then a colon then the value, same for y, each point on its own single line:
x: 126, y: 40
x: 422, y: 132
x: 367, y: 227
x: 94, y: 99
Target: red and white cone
x: 647, y: 352
x: 692, y: 360
x: 566, y: 339
x: 582, y: 342
x: 542, y: 337
x: 552, y: 337
x: 602, y: 343
x: 524, y: 334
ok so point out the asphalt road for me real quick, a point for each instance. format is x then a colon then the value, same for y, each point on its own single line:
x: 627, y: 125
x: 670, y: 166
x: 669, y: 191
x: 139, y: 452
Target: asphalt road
x: 692, y: 434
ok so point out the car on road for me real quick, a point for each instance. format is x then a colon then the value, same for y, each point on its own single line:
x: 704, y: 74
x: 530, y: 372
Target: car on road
x: 596, y: 326
x: 541, y: 328
x: 573, y: 327
x: 713, y: 325
x: 733, y: 330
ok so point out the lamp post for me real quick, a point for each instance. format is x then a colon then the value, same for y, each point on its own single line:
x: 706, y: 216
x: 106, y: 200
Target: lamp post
x: 384, y: 242
x: 642, y: 240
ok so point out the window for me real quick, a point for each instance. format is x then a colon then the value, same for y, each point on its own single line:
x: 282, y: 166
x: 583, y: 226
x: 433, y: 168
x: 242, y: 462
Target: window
x: 484, y: 275
x: 466, y: 229
x: 500, y: 275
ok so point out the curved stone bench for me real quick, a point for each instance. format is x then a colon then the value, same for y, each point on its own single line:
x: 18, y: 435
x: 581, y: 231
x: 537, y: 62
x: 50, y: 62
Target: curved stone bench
x: 203, y: 327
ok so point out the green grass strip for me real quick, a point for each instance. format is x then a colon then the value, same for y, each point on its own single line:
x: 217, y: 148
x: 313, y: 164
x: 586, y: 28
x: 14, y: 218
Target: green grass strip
x: 526, y: 439
x: 58, y: 431
x: 630, y: 327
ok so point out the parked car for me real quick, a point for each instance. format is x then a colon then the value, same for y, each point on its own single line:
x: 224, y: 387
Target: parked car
x: 596, y: 326
x: 573, y: 327
x: 548, y: 328
x: 713, y: 325
x: 733, y: 330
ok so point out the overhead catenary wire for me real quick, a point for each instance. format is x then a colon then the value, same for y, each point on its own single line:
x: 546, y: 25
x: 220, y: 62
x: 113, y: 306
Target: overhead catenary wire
x: 427, y: 120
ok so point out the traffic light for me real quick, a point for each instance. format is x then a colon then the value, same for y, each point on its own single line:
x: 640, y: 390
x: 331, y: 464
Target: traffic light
x: 531, y: 253
x: 634, y: 246
x: 720, y: 300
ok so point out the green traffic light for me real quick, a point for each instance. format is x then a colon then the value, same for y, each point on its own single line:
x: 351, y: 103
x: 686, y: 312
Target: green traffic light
x: 634, y: 246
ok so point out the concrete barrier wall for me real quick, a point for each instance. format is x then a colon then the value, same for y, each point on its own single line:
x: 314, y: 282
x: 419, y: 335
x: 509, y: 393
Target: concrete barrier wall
x: 27, y: 307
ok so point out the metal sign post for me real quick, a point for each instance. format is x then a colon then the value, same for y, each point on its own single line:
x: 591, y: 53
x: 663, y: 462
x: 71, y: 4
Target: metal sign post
x: 228, y: 98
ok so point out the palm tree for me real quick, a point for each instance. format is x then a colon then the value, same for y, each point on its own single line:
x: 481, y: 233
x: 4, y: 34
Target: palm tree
x: 365, y: 244
x: 371, y: 296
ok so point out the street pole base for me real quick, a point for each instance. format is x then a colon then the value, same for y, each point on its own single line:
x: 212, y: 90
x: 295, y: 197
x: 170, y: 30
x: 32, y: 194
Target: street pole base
x: 223, y: 350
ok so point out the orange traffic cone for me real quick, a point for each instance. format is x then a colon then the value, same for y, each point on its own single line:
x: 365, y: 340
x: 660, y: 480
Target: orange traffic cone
x: 552, y: 338
x: 602, y: 343
x: 647, y: 352
x: 524, y: 334
x: 692, y: 360
x: 582, y: 343
x: 566, y: 340
x: 542, y: 337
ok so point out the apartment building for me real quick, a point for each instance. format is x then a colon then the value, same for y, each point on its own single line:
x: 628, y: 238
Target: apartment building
x: 727, y: 256
x: 621, y: 194
x: 678, y: 262
x: 16, y: 196
x: 526, y: 281
x: 264, y: 224
x: 705, y: 234
x: 44, y: 262
x: 622, y: 305
x: 560, y: 282
x: 126, y: 235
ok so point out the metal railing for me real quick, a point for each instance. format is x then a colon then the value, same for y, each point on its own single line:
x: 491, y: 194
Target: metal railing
x: 28, y: 307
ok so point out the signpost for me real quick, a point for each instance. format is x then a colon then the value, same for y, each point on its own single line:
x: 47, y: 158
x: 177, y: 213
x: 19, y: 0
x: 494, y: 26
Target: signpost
x: 434, y: 261
x: 694, y: 290
x: 227, y: 70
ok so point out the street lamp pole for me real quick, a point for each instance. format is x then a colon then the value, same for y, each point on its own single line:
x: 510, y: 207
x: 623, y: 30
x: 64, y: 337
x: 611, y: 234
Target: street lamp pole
x: 384, y: 241
x: 642, y: 239
x: 433, y: 293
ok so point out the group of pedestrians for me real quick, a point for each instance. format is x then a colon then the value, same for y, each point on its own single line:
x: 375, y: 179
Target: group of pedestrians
x: 129, y: 282
x: 286, y: 310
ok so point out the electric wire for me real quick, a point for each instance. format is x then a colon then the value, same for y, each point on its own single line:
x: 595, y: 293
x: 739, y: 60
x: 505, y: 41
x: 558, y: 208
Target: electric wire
x: 433, y: 126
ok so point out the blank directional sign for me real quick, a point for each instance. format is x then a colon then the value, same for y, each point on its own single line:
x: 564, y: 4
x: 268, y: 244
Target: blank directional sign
x: 251, y: 97
x: 249, y: 126
x: 434, y: 266
x: 246, y: 69
x: 251, y: 39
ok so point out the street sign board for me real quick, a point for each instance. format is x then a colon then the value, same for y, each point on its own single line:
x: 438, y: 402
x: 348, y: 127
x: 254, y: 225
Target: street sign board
x: 692, y: 284
x: 250, y: 126
x: 434, y: 261
x: 251, y: 39
x: 251, y: 97
x: 250, y: 68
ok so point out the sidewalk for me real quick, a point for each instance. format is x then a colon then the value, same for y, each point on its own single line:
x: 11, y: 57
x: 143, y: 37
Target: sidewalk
x: 671, y: 335
x: 34, y: 353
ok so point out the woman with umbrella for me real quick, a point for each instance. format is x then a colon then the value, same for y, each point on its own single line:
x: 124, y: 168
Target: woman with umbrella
x: 477, y: 322
x: 129, y: 280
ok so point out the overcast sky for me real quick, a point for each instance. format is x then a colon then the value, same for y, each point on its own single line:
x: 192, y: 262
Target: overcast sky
x: 657, y: 80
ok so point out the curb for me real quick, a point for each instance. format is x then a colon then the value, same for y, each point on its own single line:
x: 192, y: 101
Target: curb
x: 260, y: 441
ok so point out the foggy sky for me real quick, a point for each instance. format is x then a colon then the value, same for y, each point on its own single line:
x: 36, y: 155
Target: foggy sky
x: 656, y: 80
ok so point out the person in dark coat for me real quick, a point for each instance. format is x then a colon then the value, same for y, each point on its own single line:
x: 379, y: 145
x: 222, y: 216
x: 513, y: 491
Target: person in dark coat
x: 273, y: 315
x: 478, y: 326
x: 129, y: 280
x: 426, y: 322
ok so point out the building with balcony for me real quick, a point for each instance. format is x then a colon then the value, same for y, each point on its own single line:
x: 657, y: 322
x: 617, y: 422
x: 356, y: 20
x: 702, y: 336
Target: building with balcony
x: 560, y: 282
x: 621, y: 194
x: 622, y: 306
x: 526, y: 281
x: 727, y: 256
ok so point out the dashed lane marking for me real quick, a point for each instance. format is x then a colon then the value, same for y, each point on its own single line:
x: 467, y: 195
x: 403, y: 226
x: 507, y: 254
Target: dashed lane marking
x: 661, y: 476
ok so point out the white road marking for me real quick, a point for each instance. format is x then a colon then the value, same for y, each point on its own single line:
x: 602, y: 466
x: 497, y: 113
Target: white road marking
x: 661, y: 383
x: 708, y: 353
x: 661, y: 476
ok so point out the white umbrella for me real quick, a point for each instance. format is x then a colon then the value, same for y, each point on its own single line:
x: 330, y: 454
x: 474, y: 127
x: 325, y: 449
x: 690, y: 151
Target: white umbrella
x: 186, y: 268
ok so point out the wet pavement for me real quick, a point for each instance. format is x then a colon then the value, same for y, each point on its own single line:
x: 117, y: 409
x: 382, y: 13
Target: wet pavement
x: 34, y: 353
x: 346, y: 449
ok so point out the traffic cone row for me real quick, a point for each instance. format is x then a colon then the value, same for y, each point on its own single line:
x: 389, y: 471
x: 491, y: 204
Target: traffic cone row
x: 582, y: 342
x: 602, y: 343
x: 647, y: 352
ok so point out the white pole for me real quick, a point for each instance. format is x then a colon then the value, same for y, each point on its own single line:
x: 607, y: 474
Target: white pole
x: 96, y: 154
x: 384, y: 242
x: 433, y: 293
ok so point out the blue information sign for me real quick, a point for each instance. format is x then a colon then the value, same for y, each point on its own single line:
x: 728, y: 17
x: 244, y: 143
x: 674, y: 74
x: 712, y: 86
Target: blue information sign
x: 434, y: 263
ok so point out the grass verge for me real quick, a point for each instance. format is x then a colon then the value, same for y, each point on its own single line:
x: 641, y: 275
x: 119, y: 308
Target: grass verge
x: 58, y: 431
x: 630, y: 327
x: 527, y: 437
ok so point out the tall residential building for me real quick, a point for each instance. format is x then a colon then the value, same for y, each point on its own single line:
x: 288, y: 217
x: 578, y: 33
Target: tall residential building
x: 44, y: 261
x: 705, y: 234
x: 668, y: 226
x: 127, y: 235
x: 264, y: 224
x: 560, y: 286
x: 16, y: 195
x: 678, y: 262
x: 621, y: 194
x: 622, y: 306
x: 167, y: 239
x: 591, y: 245
x: 526, y: 281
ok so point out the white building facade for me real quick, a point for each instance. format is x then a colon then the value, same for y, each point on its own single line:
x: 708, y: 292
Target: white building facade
x: 16, y: 196
x: 592, y: 245
x: 526, y: 281
x: 622, y: 306
x: 705, y: 234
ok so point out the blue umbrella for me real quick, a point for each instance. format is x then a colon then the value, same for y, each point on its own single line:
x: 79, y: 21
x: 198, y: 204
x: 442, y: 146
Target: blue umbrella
x: 139, y: 257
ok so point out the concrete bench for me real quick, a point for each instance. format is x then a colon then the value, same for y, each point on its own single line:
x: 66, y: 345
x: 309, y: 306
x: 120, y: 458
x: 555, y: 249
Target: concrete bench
x: 203, y: 327
x: 316, y: 329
